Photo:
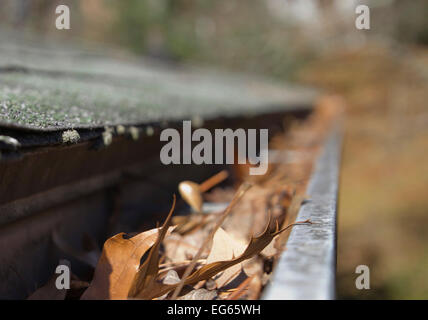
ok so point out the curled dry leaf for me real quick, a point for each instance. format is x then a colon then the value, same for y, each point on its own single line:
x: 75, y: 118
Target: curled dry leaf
x: 146, y: 274
x: 118, y: 265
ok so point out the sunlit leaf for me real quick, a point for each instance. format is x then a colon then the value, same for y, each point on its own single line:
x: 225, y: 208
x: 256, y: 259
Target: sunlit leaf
x: 257, y: 244
x: 224, y: 248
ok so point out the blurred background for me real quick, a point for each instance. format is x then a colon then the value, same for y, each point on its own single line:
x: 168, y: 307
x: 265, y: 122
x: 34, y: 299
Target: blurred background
x: 382, y: 73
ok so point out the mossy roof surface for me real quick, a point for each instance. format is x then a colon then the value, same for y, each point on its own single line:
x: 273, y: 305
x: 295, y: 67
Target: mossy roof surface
x: 47, y: 87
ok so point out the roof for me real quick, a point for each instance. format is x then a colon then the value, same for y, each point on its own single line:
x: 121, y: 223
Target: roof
x: 54, y: 86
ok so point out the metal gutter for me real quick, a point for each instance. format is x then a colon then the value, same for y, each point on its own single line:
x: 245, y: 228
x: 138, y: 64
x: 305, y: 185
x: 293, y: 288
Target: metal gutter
x: 307, y: 269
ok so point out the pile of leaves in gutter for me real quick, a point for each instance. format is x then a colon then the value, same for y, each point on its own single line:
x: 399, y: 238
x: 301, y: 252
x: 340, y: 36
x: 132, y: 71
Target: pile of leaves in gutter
x: 228, y: 254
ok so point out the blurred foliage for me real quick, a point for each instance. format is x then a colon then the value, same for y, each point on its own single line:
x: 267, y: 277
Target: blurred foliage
x: 218, y: 32
x: 246, y: 36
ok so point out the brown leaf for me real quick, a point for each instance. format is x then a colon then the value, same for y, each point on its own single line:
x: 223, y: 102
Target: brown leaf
x: 179, y: 248
x: 118, y: 265
x: 224, y: 248
x: 236, y: 198
x: 254, y: 288
x: 148, y: 271
x: 256, y: 245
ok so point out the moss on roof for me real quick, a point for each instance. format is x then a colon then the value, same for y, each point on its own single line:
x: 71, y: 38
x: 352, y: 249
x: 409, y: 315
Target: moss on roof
x: 44, y: 89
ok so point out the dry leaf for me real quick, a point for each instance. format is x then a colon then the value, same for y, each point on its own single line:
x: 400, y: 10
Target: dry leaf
x: 148, y: 271
x: 120, y: 262
x: 118, y: 265
x: 199, y: 294
x: 238, y: 195
x: 224, y: 248
x: 256, y: 245
x: 254, y: 288
x: 179, y: 248
x: 171, y: 277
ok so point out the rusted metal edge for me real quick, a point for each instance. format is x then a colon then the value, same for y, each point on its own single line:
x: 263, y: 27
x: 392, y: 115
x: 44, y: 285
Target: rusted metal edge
x: 307, y: 269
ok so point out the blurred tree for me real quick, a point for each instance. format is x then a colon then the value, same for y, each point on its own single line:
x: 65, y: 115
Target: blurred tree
x: 272, y: 37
